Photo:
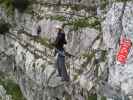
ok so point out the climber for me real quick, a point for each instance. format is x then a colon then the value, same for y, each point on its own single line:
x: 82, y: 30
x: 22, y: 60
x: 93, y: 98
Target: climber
x: 59, y: 49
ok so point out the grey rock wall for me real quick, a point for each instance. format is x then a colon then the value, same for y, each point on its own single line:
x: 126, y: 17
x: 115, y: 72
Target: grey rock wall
x: 32, y: 62
x: 119, y: 75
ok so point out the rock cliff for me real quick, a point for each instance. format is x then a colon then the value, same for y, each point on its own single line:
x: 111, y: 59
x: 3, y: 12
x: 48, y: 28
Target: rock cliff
x: 93, y: 29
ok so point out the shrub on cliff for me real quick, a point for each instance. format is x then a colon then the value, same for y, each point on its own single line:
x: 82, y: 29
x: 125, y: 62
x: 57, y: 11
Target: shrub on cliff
x: 10, y: 5
x: 20, y: 5
x: 4, y: 27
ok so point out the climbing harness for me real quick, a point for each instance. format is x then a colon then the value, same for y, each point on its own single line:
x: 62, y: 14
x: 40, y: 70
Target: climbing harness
x: 60, y: 52
x: 125, y: 45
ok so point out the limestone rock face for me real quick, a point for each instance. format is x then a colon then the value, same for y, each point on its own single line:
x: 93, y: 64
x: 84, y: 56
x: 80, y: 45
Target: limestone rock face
x: 93, y: 46
x: 32, y: 62
x: 120, y: 76
x: 33, y: 66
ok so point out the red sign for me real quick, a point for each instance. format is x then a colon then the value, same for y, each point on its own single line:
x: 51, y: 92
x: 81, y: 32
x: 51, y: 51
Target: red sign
x: 125, y: 45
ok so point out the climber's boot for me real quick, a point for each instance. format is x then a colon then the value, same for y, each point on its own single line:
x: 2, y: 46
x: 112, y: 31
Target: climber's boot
x: 58, y: 75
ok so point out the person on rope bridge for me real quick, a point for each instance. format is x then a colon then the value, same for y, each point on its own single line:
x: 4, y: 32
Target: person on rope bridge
x: 59, y: 49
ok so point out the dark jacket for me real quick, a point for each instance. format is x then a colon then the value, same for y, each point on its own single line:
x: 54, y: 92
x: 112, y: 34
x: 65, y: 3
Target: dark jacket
x: 60, y: 41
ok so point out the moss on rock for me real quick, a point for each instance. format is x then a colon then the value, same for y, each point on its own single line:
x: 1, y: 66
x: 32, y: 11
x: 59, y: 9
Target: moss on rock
x: 13, y: 90
x: 59, y: 18
x: 11, y: 87
x: 103, y: 98
x: 92, y: 22
x: 92, y: 97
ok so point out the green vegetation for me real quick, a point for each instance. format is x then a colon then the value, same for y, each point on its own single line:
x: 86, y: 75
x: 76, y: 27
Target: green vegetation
x: 7, y: 4
x: 92, y: 97
x: 84, y: 22
x: 10, y: 5
x: 59, y: 18
x: 11, y: 87
x: 89, y: 55
x: 92, y: 22
x: 76, y: 7
x: 104, y: 3
x: 96, y: 62
x: 103, y: 98
x: 103, y: 55
x: 4, y: 27
x: 45, y: 41
x: 122, y: 0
